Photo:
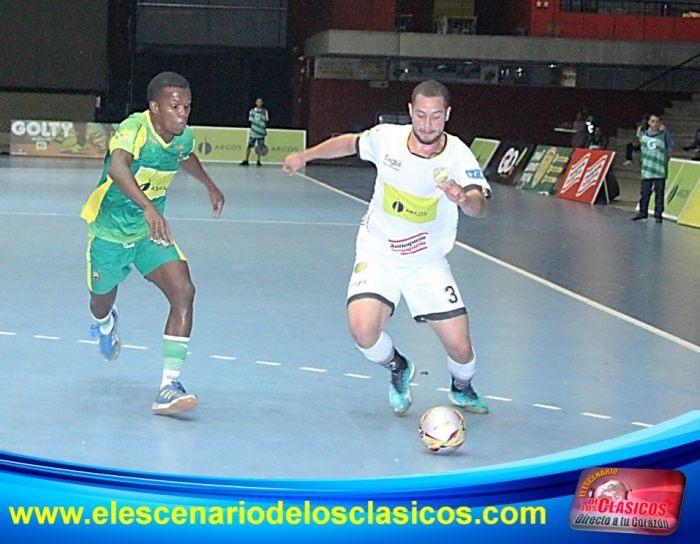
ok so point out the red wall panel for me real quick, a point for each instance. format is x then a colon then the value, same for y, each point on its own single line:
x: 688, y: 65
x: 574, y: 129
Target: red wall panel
x: 618, y: 27
x: 598, y: 27
x: 687, y: 30
x: 628, y: 28
x: 660, y: 29
x: 571, y: 29
x: 375, y: 15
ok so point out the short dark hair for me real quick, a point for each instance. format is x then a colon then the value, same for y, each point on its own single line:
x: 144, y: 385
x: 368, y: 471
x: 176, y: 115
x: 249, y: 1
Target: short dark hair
x: 163, y: 81
x: 431, y: 88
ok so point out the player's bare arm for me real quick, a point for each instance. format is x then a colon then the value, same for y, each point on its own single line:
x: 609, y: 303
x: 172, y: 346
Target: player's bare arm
x: 472, y: 200
x: 120, y: 172
x: 193, y: 167
x: 333, y: 148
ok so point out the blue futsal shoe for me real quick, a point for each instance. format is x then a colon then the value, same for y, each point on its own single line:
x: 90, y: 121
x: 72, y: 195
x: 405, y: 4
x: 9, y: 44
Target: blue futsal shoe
x: 109, y: 343
x: 400, y: 389
x: 173, y: 399
x: 465, y: 396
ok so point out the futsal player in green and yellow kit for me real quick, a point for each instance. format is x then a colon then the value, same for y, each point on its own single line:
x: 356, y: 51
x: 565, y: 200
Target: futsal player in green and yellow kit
x: 127, y: 227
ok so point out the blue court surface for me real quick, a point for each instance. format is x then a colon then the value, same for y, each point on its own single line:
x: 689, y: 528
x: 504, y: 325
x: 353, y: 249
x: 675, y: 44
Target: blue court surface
x: 585, y: 325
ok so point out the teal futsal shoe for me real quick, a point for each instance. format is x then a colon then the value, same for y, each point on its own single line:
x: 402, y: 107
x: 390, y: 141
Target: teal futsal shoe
x: 402, y: 371
x: 464, y: 395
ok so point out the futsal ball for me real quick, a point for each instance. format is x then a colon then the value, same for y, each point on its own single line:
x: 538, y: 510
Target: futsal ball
x: 442, y: 429
x: 262, y: 149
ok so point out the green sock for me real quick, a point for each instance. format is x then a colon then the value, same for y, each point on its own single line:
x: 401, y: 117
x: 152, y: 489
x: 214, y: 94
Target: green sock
x: 174, y: 353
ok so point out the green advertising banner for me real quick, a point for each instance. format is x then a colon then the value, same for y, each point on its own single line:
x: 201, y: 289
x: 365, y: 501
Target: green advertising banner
x: 221, y: 144
x: 545, y: 169
x: 689, y: 214
x: 42, y: 138
x: 483, y: 150
x: 683, y: 176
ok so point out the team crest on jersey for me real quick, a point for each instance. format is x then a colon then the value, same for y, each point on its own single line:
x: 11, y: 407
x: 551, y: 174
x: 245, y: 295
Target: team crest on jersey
x: 475, y: 174
x: 394, y: 164
x: 124, y: 135
x: 441, y: 175
x: 360, y: 267
x: 95, y: 276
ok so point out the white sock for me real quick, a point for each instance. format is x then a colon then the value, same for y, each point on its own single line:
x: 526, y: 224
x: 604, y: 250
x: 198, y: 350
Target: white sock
x: 462, y: 373
x: 106, y: 323
x: 382, y: 351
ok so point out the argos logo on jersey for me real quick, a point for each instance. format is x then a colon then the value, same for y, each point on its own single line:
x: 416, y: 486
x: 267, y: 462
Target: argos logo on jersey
x: 412, y: 208
x: 394, y: 164
x: 475, y: 174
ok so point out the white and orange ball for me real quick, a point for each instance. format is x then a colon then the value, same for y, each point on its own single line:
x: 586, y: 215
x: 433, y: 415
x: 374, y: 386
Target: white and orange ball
x: 442, y: 429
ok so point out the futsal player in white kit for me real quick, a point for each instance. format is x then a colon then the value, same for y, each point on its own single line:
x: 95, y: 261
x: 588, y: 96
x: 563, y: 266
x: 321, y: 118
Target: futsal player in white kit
x: 424, y: 176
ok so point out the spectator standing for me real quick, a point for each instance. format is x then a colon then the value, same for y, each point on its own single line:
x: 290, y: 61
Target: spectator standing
x: 656, y: 150
x: 258, y: 117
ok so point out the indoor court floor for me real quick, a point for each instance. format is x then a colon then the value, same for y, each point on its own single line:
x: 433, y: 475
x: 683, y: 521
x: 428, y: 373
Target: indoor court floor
x: 585, y: 325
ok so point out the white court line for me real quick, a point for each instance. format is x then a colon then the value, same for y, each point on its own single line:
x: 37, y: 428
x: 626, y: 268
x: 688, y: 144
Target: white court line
x: 597, y: 416
x: 624, y: 317
x: 348, y: 195
x: 266, y: 221
x: 580, y: 298
x: 206, y: 219
x: 349, y: 375
x: 547, y: 406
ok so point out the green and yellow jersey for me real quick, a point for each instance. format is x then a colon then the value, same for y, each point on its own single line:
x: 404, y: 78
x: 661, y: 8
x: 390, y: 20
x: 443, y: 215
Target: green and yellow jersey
x: 110, y: 213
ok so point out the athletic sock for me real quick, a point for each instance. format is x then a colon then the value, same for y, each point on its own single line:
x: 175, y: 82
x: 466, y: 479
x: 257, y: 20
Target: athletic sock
x: 382, y: 352
x: 462, y: 374
x: 106, y: 323
x: 174, y: 354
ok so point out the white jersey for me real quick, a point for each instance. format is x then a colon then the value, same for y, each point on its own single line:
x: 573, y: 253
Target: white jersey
x: 409, y: 217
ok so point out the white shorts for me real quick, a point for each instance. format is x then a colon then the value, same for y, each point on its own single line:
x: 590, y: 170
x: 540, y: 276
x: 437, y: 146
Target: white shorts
x: 430, y: 289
